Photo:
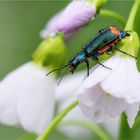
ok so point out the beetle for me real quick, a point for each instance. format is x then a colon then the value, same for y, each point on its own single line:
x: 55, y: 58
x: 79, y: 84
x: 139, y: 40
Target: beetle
x: 103, y: 42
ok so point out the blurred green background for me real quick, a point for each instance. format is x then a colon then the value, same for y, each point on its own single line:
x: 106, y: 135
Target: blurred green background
x: 20, y: 25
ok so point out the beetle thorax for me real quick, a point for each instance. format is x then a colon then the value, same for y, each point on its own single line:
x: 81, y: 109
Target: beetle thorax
x: 79, y: 58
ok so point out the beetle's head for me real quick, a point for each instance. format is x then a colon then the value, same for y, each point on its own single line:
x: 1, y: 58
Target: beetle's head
x: 123, y: 34
x: 73, y: 65
x: 72, y: 68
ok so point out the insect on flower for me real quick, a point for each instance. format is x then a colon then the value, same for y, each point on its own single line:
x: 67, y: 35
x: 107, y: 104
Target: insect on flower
x: 103, y: 42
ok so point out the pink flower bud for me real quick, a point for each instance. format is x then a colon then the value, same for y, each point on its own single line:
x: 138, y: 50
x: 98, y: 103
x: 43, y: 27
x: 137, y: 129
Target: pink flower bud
x: 76, y: 14
x: 51, y: 27
x: 69, y: 19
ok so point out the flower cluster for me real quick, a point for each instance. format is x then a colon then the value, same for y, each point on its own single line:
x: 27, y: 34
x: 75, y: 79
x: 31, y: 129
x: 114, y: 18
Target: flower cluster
x: 27, y: 96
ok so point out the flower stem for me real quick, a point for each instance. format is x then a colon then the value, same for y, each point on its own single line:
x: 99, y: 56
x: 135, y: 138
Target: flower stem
x: 55, y: 122
x: 131, y: 19
x: 112, y: 14
x: 97, y: 3
x: 93, y: 127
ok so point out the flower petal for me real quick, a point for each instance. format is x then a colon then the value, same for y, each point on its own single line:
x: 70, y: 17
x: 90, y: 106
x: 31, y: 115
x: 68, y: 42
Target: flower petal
x: 9, y: 92
x: 27, y: 98
x: 68, y: 86
x: 36, y: 100
x: 124, y: 82
x: 99, y: 106
x: 131, y: 112
x: 51, y: 26
x: 100, y: 73
x: 72, y: 18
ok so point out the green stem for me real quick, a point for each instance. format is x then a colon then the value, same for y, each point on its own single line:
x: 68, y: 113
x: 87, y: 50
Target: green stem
x: 131, y: 19
x: 55, y: 122
x: 97, y: 3
x: 93, y: 127
x: 112, y: 14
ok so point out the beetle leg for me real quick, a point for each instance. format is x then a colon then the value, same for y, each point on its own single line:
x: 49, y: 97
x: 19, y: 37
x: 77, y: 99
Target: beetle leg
x: 87, y: 62
x: 111, y: 48
x: 96, y: 58
x: 125, y: 53
x: 109, y: 51
x: 100, y: 63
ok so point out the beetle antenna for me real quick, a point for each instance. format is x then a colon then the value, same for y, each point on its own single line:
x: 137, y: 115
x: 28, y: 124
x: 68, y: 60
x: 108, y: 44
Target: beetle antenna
x: 57, y: 69
x: 62, y: 76
x: 125, y: 53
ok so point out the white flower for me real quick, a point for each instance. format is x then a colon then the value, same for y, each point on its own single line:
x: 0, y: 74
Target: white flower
x: 27, y: 98
x: 107, y: 93
x: 65, y: 94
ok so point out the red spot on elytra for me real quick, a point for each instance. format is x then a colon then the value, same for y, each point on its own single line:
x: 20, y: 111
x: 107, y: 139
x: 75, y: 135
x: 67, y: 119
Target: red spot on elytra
x: 114, y: 30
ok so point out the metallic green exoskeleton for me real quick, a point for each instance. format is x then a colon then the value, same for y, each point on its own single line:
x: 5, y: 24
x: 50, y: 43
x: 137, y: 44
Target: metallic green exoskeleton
x: 102, y: 43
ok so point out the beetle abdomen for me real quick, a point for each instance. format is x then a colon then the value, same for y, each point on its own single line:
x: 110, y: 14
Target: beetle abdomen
x: 108, y: 46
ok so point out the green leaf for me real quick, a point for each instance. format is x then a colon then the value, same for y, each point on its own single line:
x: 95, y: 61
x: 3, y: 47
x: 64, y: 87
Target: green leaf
x: 127, y: 133
x: 124, y: 131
